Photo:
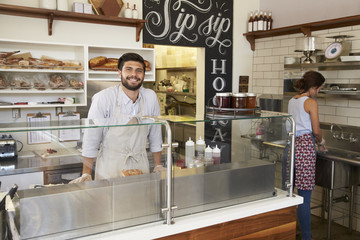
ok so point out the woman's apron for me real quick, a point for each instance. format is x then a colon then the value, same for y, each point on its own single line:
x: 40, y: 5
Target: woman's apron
x: 305, y: 162
x: 123, y: 147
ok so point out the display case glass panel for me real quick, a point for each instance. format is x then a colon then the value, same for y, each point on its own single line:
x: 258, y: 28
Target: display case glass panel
x: 245, y: 165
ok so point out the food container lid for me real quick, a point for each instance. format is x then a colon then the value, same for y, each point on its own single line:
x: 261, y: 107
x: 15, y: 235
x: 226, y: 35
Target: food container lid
x: 200, y: 141
x: 208, y: 149
x: 251, y: 94
x: 239, y: 95
x: 216, y: 149
x: 223, y: 94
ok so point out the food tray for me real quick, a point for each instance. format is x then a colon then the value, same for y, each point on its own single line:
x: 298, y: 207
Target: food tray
x: 215, y: 112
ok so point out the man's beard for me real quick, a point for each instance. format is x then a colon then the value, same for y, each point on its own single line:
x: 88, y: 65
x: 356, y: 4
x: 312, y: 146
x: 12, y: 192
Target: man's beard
x: 131, y: 87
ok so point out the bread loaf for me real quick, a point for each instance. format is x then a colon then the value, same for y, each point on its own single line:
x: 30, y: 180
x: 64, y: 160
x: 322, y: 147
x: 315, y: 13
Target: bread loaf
x: 97, y: 61
x: 57, y: 81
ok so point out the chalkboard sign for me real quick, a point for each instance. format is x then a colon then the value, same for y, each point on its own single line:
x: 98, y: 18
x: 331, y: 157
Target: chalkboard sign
x: 195, y: 23
x: 198, y: 23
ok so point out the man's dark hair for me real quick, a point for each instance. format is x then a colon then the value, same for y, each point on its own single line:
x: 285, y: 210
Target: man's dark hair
x: 130, y: 57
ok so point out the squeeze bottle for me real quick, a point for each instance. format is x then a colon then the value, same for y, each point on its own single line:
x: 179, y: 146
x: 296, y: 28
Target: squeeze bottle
x: 216, y: 153
x: 189, y: 152
x: 200, y: 149
x: 208, y: 156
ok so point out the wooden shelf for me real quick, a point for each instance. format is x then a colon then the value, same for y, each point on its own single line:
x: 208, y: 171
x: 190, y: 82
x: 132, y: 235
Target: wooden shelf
x: 305, y: 28
x: 325, y: 66
x: 52, y: 15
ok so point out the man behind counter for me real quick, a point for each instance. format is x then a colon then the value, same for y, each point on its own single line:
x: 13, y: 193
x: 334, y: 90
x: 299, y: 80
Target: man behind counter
x: 122, y: 149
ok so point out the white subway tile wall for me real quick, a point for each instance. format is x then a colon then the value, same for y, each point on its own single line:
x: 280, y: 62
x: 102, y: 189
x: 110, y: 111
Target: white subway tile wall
x: 268, y: 72
x: 268, y: 76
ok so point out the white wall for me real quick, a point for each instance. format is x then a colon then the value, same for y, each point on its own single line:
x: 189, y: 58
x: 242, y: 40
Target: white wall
x: 293, y: 12
x: 242, y: 54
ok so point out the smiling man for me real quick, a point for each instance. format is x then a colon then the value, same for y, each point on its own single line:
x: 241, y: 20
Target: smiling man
x: 122, y: 149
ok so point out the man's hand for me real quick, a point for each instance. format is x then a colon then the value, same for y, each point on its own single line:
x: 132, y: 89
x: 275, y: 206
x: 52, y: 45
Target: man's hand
x: 159, y: 168
x: 84, y: 178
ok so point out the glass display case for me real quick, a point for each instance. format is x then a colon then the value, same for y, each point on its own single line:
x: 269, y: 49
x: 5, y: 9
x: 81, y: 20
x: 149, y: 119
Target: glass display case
x: 233, y: 160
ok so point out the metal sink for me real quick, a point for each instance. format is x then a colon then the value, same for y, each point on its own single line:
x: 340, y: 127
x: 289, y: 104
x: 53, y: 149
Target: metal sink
x: 340, y: 155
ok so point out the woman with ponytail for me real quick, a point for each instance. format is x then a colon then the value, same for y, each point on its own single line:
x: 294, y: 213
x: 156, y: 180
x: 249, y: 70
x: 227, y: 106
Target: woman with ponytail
x: 305, y: 111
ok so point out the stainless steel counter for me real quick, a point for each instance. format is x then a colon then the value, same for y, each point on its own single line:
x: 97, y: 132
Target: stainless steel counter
x: 30, y: 162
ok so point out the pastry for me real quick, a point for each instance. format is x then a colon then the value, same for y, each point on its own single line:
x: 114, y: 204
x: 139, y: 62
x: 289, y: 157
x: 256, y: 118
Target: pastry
x: 131, y: 172
x: 34, y: 61
x: 24, y: 63
x: 2, y: 83
x: 113, y: 65
x: 71, y: 63
x: 7, y: 54
x: 19, y: 84
x: 13, y: 61
x: 51, y: 62
x: 97, y: 61
x: 113, y: 60
x: 147, y: 65
x: 75, y: 83
x: 57, y: 81
x: 39, y: 86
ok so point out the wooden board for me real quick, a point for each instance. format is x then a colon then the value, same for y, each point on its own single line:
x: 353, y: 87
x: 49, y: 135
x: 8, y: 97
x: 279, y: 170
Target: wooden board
x: 97, y: 4
x: 279, y: 224
x: 60, y: 153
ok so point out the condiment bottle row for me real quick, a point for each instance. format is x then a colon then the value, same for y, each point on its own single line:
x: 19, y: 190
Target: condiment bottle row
x: 131, y: 13
x: 260, y: 21
x: 196, y: 155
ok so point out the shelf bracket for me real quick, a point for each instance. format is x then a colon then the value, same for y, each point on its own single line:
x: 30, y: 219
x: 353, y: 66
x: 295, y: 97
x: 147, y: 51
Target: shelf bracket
x: 50, y: 23
x: 139, y: 27
x: 306, y: 31
x: 251, y: 40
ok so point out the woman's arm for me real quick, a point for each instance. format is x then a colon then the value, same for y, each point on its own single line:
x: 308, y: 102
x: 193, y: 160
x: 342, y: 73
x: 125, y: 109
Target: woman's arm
x: 311, y: 107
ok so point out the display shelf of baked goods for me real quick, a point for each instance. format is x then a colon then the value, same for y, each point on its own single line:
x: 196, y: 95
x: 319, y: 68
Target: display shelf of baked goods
x: 113, y: 52
x: 33, y: 72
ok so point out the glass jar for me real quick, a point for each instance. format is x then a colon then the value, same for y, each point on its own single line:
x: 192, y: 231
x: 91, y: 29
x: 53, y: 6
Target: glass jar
x: 250, y: 100
x: 238, y: 100
x: 223, y: 100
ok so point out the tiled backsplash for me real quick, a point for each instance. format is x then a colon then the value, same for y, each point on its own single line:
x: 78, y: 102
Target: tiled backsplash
x: 268, y: 72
